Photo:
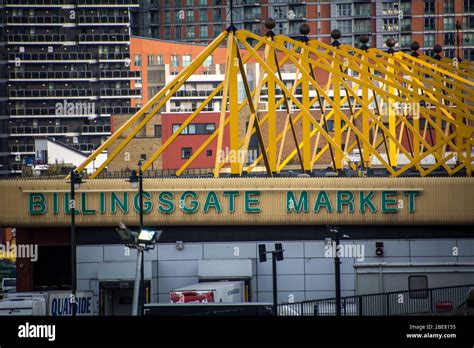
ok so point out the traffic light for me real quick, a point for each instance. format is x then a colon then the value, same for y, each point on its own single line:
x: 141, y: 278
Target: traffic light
x: 262, y: 253
x: 278, y: 251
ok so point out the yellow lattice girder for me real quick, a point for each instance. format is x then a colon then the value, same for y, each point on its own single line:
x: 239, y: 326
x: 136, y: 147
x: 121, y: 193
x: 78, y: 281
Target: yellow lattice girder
x: 376, y: 85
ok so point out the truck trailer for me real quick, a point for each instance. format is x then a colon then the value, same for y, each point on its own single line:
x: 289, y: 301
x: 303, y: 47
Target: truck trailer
x: 49, y: 303
x: 210, y: 292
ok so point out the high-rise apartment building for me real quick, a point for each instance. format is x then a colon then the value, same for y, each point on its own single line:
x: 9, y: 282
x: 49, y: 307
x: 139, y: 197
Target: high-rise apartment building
x: 429, y: 22
x: 67, y: 71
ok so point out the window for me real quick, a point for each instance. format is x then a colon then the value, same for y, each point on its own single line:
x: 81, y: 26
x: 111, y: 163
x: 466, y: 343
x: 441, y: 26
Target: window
x: 429, y: 7
x: 389, y: 8
x: 448, y: 6
x: 469, y: 53
x: 429, y: 40
x: 468, y: 5
x: 151, y: 60
x: 138, y: 60
x: 418, y: 286
x: 217, y: 29
x: 203, y: 2
x: 157, y: 130
x: 448, y: 23
x: 468, y: 22
x: 203, y: 16
x: 362, y: 26
x: 186, y: 152
x: 175, y: 61
x: 203, y: 31
x: 345, y: 26
x: 167, y: 17
x: 143, y: 157
x: 405, y: 24
x: 217, y: 15
x: 429, y: 23
x: 468, y: 39
x: 159, y: 59
x: 209, y: 61
x: 449, y: 39
x: 390, y: 24
x: 167, y: 33
x: 189, y: 16
x: 362, y: 9
x: 196, y: 128
x: 177, y: 33
x: 189, y: 2
x: 330, y: 124
x: 190, y: 32
x: 208, y: 153
x: 186, y: 60
x: 344, y: 10
x: 406, y: 8
x: 405, y: 40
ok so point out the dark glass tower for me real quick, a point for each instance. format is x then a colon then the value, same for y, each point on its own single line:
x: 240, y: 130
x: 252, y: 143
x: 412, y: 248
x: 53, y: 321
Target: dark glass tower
x: 67, y: 71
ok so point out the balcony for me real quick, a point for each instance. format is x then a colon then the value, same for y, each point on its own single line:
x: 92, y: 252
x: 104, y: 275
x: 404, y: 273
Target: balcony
x: 50, y: 57
x: 31, y: 112
x: 52, y: 75
x: 35, y: 3
x: 201, y: 94
x: 40, y: 130
x: 101, y: 20
x: 114, y: 57
x: 22, y: 149
x: 252, y: 17
x: 248, y: 2
x: 84, y: 147
x: 109, y: 3
x: 118, y: 110
x: 99, y: 39
x: 37, y: 20
x: 95, y: 130
x: 120, y: 75
x: 40, y: 39
x: 51, y: 94
x: 110, y: 93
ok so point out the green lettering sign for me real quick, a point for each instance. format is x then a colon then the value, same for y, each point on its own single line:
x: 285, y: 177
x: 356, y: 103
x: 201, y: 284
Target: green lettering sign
x: 366, y: 201
x: 231, y: 197
x: 292, y: 203
x: 212, y: 201
x: 37, y: 204
x: 411, y: 200
x: 122, y: 204
x: 147, y: 205
x: 166, y: 200
x: 249, y: 202
x: 345, y: 198
x: 322, y: 200
x: 194, y: 202
x: 84, y: 209
x: 386, y: 202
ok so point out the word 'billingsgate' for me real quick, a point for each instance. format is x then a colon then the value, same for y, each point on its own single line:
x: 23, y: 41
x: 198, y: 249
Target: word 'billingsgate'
x: 190, y: 202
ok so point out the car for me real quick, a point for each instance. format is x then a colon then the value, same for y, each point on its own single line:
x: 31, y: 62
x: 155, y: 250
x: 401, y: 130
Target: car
x: 8, y: 285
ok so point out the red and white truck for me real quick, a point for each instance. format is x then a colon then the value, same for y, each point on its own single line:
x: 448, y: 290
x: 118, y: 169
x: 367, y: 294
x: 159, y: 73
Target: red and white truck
x: 210, y: 292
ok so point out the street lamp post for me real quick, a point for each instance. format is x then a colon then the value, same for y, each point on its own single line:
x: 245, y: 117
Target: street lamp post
x: 337, y: 268
x: 277, y: 255
x: 142, y: 241
x: 137, y: 180
x: 75, y: 182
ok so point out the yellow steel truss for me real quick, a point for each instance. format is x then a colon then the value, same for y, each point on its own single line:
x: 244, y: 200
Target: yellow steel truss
x: 388, y: 110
